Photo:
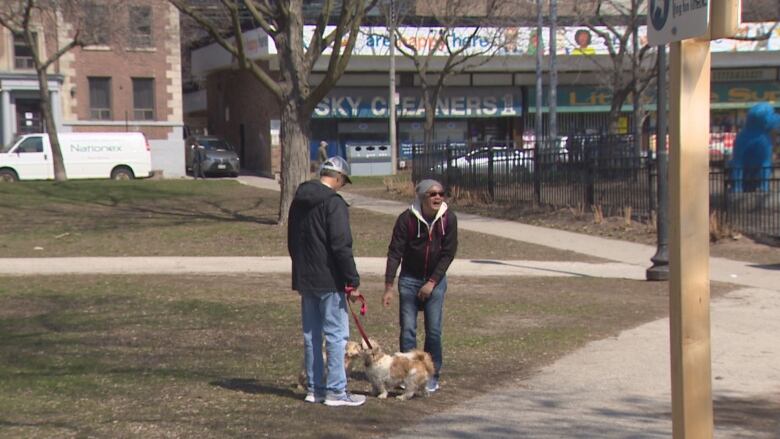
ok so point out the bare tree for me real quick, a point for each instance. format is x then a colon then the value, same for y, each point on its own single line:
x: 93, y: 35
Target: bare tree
x: 283, y: 21
x: 629, y: 69
x: 467, y: 34
x: 37, y: 21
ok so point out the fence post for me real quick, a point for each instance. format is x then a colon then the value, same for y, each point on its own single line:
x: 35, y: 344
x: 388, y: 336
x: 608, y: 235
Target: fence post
x: 537, y: 170
x: 449, y: 172
x: 725, y: 199
x: 491, y: 180
x: 590, y: 164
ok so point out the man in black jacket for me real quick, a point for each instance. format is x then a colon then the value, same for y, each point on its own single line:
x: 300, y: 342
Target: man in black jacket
x: 319, y: 240
x: 424, y: 243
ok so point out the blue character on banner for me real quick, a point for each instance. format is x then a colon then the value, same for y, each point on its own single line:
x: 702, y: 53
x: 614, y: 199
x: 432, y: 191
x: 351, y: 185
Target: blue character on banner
x: 751, y: 165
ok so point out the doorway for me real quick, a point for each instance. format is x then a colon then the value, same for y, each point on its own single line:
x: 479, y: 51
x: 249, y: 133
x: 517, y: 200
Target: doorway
x: 28, y: 116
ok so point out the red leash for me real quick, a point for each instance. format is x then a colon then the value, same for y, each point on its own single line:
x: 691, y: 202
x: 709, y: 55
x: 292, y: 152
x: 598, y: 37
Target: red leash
x: 350, y: 292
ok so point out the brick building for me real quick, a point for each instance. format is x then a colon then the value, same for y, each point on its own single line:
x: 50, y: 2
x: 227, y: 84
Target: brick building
x: 128, y: 80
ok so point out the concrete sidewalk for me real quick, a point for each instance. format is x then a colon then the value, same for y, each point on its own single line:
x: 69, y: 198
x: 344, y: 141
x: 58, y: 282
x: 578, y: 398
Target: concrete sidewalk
x: 620, y: 387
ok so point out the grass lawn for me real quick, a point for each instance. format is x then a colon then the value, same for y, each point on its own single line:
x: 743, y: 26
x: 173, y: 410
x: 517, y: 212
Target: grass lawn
x: 218, y: 357
x: 187, y: 218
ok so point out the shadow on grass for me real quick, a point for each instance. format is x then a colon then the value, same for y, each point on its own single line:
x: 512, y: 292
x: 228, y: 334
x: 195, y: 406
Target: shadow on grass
x: 139, y: 201
x: 254, y: 387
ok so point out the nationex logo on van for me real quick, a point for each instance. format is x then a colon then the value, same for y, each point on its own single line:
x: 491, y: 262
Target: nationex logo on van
x: 95, y: 148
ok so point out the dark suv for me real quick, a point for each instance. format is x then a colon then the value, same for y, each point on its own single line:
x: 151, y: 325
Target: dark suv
x: 218, y: 156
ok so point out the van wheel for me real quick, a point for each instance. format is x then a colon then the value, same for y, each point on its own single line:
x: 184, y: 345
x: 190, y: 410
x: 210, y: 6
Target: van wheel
x: 122, y: 173
x: 8, y: 176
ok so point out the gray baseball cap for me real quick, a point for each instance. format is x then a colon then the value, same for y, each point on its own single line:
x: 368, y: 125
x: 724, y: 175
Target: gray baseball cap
x: 337, y: 164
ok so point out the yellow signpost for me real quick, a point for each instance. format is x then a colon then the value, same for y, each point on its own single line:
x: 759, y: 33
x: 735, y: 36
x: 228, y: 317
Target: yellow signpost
x: 689, y: 26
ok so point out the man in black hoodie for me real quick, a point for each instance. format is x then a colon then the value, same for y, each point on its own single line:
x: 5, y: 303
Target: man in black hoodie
x: 319, y: 240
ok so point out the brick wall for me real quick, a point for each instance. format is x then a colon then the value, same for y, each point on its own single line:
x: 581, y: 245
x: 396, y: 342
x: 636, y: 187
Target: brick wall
x: 251, y: 106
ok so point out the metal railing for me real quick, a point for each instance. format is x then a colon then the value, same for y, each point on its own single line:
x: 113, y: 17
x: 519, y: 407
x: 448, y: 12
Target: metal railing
x: 592, y: 171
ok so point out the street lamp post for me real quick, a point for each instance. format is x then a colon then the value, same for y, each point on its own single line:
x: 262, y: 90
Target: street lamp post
x: 391, y: 101
x: 660, y: 268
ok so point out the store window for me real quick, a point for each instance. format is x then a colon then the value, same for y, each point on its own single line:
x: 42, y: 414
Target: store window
x: 140, y: 26
x: 99, y: 98
x: 143, y: 98
x: 23, y: 54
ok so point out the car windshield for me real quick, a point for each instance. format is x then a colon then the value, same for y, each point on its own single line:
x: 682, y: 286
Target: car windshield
x: 216, y: 144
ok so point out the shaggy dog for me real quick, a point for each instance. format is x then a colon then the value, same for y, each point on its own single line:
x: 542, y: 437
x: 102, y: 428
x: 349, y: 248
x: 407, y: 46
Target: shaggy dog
x: 412, y: 369
x: 351, y: 351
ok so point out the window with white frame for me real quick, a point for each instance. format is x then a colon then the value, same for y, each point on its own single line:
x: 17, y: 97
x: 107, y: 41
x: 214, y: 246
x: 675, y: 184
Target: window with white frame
x: 99, y: 98
x: 96, y: 24
x: 23, y: 54
x: 143, y: 98
x: 140, y: 26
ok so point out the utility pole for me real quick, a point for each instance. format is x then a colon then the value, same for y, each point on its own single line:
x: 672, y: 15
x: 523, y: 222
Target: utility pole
x: 552, y: 101
x: 391, y: 100
x: 539, y: 50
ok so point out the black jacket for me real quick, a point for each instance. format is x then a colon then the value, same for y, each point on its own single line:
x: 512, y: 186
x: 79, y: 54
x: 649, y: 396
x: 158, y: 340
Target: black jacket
x: 425, y: 251
x: 320, y: 241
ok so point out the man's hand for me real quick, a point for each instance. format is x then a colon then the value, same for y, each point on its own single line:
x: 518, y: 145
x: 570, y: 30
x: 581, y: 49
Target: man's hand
x: 388, y: 296
x: 426, y: 291
x: 353, y: 295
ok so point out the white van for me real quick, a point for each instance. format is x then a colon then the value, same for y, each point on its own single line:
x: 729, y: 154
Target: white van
x: 119, y: 156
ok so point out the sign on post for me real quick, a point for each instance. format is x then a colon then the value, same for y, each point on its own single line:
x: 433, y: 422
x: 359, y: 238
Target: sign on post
x: 676, y: 20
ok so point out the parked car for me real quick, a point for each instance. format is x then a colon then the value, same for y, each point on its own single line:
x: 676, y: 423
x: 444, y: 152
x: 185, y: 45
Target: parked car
x: 218, y: 156
x: 506, y: 160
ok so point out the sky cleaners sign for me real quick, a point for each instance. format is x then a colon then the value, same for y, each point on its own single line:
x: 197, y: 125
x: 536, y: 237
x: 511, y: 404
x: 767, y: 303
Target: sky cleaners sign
x: 454, y: 103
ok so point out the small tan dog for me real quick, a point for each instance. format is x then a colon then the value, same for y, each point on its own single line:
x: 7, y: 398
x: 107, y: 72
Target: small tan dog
x: 412, y: 369
x: 351, y: 351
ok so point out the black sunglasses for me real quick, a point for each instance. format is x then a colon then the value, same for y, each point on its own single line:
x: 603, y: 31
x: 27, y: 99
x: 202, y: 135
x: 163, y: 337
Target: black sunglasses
x: 433, y: 194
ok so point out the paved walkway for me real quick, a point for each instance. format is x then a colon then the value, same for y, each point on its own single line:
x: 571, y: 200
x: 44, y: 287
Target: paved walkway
x: 619, y: 387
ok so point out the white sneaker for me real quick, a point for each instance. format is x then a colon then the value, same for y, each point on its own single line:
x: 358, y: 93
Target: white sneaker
x: 432, y: 385
x: 314, y: 399
x: 345, y: 399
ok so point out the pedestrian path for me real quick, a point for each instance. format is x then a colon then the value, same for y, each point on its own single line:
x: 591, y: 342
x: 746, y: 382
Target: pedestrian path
x: 209, y: 265
x: 620, y: 387
x: 638, y: 255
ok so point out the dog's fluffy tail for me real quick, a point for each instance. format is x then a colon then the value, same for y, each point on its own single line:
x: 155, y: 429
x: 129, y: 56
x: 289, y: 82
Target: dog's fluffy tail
x: 426, y: 359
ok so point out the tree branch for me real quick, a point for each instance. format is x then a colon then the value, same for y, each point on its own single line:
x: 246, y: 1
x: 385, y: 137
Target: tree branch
x: 249, y: 64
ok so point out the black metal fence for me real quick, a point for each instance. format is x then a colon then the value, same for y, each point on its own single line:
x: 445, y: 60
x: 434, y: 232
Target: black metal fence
x: 608, y: 172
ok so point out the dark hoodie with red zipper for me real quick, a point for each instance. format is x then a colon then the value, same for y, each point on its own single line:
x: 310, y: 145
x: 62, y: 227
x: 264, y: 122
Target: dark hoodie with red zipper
x: 424, y: 250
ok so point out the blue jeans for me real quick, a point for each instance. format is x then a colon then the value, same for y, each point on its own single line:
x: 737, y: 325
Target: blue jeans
x: 433, y: 310
x: 325, y: 314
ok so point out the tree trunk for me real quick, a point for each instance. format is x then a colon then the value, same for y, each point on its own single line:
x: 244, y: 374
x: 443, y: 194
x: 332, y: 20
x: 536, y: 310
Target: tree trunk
x: 51, y: 127
x: 430, y: 117
x: 294, y: 137
x: 429, y: 127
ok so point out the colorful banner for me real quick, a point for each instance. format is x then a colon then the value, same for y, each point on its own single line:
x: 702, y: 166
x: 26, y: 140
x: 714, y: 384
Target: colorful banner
x: 571, y: 40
